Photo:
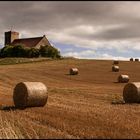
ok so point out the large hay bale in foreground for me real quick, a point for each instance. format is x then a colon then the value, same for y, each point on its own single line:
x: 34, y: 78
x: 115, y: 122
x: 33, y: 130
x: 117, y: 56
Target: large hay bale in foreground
x: 136, y: 59
x: 115, y: 68
x: 131, y: 92
x: 131, y: 59
x: 74, y: 71
x: 116, y: 62
x: 123, y: 78
x: 30, y: 94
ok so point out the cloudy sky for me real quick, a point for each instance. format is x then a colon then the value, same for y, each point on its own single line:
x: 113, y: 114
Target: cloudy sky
x: 86, y: 29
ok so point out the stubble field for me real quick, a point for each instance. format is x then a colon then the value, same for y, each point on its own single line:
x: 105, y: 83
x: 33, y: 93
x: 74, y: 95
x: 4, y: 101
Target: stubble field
x: 78, y: 106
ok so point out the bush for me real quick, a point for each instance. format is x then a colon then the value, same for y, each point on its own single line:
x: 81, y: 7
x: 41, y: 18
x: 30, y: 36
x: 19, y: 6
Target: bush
x: 43, y: 51
x: 20, y: 51
x: 6, y: 51
x: 33, y: 52
x: 13, y: 51
x: 49, y: 51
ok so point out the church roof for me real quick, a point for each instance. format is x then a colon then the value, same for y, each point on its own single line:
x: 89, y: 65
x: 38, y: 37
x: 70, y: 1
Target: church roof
x: 28, y: 42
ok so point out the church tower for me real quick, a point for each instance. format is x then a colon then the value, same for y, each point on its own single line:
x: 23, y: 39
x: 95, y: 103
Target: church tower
x: 10, y: 36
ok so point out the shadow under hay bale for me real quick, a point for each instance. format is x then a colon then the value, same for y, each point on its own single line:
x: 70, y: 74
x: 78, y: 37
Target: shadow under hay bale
x: 116, y: 82
x: 67, y: 74
x: 115, y: 68
x: 123, y: 78
x: 30, y: 94
x: 131, y: 92
x: 9, y: 108
x: 73, y: 71
x: 115, y: 102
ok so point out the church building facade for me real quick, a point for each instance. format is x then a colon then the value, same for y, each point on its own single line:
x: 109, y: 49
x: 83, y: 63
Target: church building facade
x: 12, y: 38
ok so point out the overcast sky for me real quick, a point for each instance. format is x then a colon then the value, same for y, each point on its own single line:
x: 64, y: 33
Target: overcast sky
x: 86, y: 29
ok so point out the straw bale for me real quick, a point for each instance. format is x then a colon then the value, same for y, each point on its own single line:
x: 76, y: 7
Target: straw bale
x: 115, y: 68
x: 30, y: 94
x: 74, y: 71
x: 123, y: 78
x: 131, y: 92
x: 136, y: 59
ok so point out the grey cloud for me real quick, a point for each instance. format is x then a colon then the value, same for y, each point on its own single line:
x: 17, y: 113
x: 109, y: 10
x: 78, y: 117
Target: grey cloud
x: 45, y: 16
x: 127, y: 32
x: 56, y: 14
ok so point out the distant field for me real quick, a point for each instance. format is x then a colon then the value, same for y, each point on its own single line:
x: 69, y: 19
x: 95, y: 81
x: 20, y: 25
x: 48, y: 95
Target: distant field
x: 7, y: 61
x: 78, y: 106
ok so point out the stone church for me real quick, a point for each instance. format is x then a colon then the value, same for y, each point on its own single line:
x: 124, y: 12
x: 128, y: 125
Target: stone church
x: 12, y: 38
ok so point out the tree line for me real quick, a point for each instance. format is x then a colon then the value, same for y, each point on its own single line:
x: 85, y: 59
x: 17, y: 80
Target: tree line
x: 20, y: 50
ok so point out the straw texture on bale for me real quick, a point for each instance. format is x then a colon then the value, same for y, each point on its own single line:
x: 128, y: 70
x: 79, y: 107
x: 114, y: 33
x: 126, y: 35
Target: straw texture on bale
x: 116, y: 62
x: 30, y: 94
x: 136, y: 59
x: 115, y: 68
x: 131, y: 92
x: 123, y: 78
x: 131, y: 59
x: 74, y: 71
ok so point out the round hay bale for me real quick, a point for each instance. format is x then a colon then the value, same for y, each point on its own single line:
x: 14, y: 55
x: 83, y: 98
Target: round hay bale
x: 115, y: 68
x: 123, y: 78
x: 131, y: 59
x: 30, y: 94
x: 74, y: 71
x: 136, y: 59
x: 131, y: 92
x: 116, y: 62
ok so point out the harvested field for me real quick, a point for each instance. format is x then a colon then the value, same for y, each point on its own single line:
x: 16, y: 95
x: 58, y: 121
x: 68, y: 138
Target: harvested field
x: 78, y: 106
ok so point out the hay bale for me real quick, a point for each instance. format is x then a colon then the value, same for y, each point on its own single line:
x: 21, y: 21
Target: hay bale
x: 30, y: 94
x: 115, y: 68
x: 74, y: 71
x: 136, y: 59
x: 116, y: 62
x: 123, y: 78
x: 131, y: 59
x: 131, y: 92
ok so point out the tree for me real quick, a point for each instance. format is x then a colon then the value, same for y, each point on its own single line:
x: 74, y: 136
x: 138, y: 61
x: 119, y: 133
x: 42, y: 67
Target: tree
x: 43, y: 51
x: 6, y: 51
x: 49, y: 51
x: 18, y: 51
x: 33, y: 52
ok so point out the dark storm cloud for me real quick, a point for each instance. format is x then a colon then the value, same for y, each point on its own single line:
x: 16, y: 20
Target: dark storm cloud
x: 55, y: 17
